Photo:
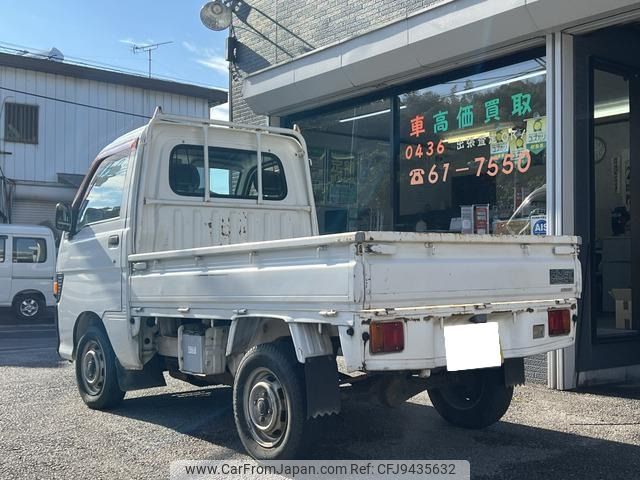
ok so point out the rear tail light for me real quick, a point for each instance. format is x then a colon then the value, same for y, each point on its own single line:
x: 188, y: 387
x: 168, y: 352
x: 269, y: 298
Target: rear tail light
x: 386, y: 337
x: 559, y: 322
x: 57, y: 285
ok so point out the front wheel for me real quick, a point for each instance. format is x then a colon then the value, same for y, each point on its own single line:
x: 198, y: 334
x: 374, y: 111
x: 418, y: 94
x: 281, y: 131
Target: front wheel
x: 96, y: 371
x: 269, y: 403
x: 480, y: 399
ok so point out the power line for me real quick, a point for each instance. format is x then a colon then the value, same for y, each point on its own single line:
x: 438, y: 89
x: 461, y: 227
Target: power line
x: 75, y: 103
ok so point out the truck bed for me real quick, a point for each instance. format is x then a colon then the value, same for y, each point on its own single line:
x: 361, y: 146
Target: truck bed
x: 329, y: 278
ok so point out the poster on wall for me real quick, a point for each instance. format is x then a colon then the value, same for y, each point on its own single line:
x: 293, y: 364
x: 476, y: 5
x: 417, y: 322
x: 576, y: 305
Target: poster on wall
x: 621, y: 175
x: 538, y: 224
x: 536, y: 134
x: 501, y: 144
x: 342, y: 178
x: 318, y: 157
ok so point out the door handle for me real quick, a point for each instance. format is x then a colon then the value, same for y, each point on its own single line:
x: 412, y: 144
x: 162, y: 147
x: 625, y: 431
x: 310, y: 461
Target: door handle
x: 114, y: 241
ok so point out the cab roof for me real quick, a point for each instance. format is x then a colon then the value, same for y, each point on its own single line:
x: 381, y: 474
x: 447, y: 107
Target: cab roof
x: 19, y: 229
x: 122, y: 140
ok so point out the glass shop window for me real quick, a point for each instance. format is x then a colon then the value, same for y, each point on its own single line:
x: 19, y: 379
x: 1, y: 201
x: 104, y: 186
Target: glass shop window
x: 351, y: 169
x: 473, y: 153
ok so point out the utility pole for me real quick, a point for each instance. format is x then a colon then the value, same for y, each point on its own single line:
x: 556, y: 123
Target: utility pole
x: 148, y: 48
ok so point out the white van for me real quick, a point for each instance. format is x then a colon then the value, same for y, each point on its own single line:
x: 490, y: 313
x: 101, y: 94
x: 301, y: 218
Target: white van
x: 27, y: 267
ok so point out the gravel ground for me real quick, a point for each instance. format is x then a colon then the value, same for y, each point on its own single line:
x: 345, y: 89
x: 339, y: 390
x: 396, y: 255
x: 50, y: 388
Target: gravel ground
x: 47, y: 432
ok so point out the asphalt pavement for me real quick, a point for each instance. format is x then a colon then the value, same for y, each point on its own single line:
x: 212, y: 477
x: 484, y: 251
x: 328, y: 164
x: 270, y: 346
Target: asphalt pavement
x: 47, y: 432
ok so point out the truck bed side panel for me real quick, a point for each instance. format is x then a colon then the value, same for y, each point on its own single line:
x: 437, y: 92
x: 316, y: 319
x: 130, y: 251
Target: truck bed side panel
x: 295, y: 282
x: 413, y: 273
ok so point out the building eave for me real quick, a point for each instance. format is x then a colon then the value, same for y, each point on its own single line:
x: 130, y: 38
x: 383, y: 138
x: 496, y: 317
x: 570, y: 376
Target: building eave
x: 443, y: 36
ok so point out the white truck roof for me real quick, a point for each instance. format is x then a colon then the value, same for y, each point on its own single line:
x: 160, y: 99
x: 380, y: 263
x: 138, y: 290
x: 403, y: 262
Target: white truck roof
x: 20, y: 229
x: 129, y: 136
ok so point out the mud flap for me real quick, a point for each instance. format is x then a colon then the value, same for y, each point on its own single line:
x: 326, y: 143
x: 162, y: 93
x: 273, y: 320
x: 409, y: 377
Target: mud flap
x: 150, y: 376
x: 323, y: 388
x: 513, y: 371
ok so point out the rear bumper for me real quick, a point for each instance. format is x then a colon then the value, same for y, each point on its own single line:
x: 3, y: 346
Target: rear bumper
x: 424, y: 346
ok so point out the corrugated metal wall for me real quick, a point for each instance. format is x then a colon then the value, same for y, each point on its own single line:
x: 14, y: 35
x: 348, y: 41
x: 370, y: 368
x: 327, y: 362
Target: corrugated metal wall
x: 77, y: 118
x: 36, y: 212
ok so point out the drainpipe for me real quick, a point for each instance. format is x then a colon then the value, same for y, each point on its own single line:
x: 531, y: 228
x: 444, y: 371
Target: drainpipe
x: 5, y: 188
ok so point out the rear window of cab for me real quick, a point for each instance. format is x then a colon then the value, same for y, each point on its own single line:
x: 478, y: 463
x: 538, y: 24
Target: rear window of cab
x: 232, y: 173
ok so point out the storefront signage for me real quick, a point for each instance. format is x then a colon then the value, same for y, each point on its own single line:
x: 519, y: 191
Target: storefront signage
x: 504, y: 165
x: 536, y: 134
x: 539, y: 224
x: 510, y: 148
x: 521, y: 106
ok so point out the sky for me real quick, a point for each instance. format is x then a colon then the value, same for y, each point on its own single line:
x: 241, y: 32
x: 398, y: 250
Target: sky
x: 104, y: 33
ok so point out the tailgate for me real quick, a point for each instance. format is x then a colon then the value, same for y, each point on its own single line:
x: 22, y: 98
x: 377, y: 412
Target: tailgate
x: 409, y: 270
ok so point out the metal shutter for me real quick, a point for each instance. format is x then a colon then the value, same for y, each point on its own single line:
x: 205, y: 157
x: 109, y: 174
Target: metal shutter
x: 34, y: 212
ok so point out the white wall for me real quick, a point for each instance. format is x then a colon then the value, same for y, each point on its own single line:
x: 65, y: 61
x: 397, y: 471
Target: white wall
x: 70, y: 135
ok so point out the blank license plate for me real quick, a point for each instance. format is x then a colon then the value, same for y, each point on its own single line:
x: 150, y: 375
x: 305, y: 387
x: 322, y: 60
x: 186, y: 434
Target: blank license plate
x: 472, y: 346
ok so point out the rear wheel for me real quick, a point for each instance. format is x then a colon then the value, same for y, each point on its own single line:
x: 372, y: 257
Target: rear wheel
x: 29, y: 306
x: 96, y: 371
x: 479, y: 400
x: 269, y: 403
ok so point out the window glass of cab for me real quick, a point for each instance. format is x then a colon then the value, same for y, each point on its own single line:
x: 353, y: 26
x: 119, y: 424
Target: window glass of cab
x: 28, y: 250
x: 103, y: 198
x: 232, y: 173
x: 2, y: 242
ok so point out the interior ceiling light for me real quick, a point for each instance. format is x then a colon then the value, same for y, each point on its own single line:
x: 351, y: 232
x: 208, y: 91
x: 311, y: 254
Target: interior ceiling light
x: 367, y: 115
x: 611, y: 109
x: 501, y: 82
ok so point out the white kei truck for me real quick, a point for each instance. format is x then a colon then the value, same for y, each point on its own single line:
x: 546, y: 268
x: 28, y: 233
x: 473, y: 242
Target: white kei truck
x: 178, y: 257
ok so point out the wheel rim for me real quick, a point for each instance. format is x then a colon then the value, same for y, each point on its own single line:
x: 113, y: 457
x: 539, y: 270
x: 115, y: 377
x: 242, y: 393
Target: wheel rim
x: 29, y: 307
x: 465, y: 396
x: 93, y: 368
x: 266, y: 408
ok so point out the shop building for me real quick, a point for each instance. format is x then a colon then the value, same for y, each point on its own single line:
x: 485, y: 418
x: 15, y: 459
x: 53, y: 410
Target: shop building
x: 485, y: 116
x: 56, y: 116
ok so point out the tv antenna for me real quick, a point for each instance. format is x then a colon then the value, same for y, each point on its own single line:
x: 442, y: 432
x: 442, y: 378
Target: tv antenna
x: 148, y: 48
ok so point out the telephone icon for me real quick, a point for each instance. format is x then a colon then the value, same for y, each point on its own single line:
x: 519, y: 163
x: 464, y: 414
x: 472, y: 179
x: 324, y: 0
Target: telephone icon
x: 416, y: 176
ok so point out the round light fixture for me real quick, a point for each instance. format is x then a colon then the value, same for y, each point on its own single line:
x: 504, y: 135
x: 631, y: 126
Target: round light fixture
x: 216, y: 15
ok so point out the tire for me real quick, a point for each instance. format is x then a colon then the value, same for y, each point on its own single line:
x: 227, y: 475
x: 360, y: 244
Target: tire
x: 29, y: 306
x: 270, y: 380
x: 479, y: 401
x: 96, y: 373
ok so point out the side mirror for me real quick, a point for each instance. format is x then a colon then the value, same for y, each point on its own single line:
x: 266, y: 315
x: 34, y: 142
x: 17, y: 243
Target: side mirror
x: 64, y: 217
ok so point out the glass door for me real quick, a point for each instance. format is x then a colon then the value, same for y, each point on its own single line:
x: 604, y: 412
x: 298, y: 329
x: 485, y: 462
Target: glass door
x: 612, y: 234
x: 607, y: 186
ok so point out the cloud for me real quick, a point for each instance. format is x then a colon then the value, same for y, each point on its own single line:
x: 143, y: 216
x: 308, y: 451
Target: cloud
x: 216, y: 63
x: 189, y: 46
x: 207, y: 57
x: 132, y: 42
x: 220, y: 112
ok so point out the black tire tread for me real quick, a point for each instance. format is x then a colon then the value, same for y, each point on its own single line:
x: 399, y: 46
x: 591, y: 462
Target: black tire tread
x: 493, y: 404
x: 280, y: 358
x: 111, y: 394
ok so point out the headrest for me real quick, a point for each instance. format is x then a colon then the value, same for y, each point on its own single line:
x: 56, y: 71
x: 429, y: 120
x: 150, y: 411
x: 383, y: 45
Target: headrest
x: 272, y: 184
x: 185, y: 178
